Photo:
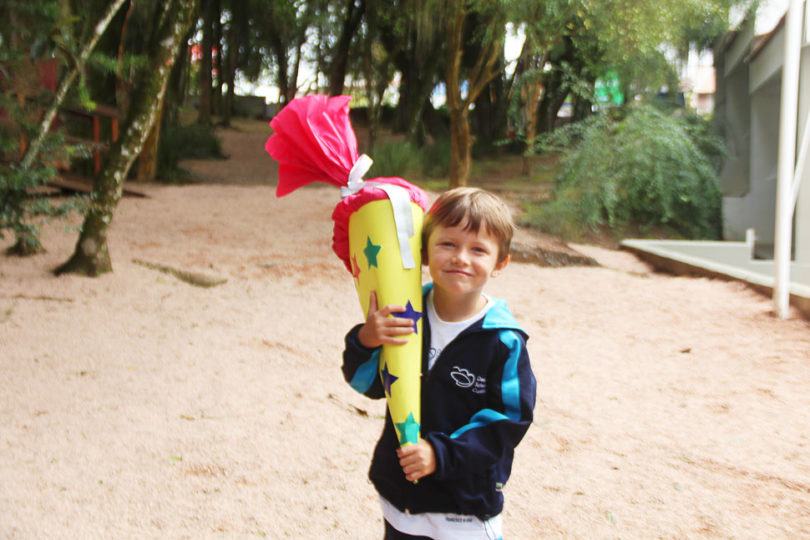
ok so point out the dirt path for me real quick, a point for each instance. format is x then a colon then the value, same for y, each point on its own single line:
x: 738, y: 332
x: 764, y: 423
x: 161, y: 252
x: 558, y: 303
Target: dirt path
x: 136, y: 405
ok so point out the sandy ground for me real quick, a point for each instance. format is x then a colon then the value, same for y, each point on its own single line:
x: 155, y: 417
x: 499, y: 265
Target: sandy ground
x: 136, y: 405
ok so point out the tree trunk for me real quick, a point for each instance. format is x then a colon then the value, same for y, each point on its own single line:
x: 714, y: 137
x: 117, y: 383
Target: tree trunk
x: 582, y: 109
x: 148, y: 158
x: 282, y: 66
x: 459, y: 128
x: 416, y: 53
x: 550, y: 104
x: 460, y: 148
x: 231, y: 61
x: 556, y: 89
x: 531, y: 99
x: 178, y: 83
x: 121, y: 91
x: 217, y: 60
x: 490, y: 116
x: 204, y: 112
x: 481, y: 73
x: 292, y: 85
x: 91, y: 256
x: 351, y: 21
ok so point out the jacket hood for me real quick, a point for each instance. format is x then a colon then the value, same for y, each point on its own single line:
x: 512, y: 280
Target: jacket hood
x: 498, y: 317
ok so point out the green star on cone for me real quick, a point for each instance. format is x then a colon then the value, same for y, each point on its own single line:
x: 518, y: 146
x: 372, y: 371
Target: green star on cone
x: 408, y: 430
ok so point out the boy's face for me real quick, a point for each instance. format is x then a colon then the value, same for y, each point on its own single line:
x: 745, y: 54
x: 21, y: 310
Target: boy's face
x: 460, y: 261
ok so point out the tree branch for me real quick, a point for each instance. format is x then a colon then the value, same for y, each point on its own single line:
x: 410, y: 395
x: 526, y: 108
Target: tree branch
x: 33, y: 149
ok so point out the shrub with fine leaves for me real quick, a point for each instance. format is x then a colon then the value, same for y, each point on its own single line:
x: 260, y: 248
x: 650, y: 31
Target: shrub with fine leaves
x: 646, y: 170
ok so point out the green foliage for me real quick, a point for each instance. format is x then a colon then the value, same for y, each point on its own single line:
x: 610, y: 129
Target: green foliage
x: 648, y: 170
x: 703, y: 133
x: 30, y: 37
x: 436, y: 158
x: 179, y: 142
x: 395, y: 158
x: 110, y: 65
x: 23, y: 207
x: 406, y: 160
x: 23, y: 212
x: 26, y: 23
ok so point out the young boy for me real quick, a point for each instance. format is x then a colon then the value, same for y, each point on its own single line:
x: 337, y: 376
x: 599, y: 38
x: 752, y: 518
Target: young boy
x: 478, y: 390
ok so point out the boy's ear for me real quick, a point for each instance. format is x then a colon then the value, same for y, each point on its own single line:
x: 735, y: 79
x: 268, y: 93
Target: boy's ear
x: 500, y: 266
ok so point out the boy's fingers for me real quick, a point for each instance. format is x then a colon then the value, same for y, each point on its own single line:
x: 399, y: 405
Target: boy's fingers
x: 406, y: 454
x: 391, y: 308
x: 403, y: 451
x: 372, y: 302
x: 413, y: 471
x: 401, y: 324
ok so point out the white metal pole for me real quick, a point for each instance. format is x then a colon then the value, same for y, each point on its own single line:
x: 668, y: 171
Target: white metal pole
x: 801, y: 163
x: 788, y: 112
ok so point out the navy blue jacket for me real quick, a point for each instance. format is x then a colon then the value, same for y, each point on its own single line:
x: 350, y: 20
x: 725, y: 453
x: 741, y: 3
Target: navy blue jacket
x: 477, y: 404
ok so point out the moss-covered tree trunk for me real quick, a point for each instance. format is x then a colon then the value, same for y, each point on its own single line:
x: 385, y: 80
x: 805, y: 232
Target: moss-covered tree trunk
x: 148, y: 157
x: 91, y: 255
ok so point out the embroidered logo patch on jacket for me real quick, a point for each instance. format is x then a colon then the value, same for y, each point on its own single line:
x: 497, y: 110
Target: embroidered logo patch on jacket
x: 466, y: 379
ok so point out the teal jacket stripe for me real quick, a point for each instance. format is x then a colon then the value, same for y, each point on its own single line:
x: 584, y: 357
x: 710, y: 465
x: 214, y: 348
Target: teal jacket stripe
x: 510, y: 390
x: 480, y: 419
x: 365, y: 374
x: 510, y: 385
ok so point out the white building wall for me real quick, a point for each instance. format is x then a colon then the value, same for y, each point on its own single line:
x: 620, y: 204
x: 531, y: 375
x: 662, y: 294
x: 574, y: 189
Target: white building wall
x: 750, y: 195
x: 801, y: 231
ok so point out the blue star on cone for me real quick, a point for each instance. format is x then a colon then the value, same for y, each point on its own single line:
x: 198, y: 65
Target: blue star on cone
x: 388, y: 379
x: 411, y: 314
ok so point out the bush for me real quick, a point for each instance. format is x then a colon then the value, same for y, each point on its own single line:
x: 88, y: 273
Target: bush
x: 436, y: 159
x: 394, y: 158
x: 23, y: 211
x: 23, y: 206
x: 185, y: 142
x: 403, y: 159
x: 645, y: 171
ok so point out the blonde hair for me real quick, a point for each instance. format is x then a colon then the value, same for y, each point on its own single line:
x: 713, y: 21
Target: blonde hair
x: 473, y: 207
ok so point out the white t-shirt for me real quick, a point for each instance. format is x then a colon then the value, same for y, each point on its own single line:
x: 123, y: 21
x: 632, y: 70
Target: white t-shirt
x: 443, y: 332
x: 435, y: 524
x: 443, y: 526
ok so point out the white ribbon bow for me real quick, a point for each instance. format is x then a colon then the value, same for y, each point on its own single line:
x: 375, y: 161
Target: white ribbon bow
x: 400, y: 205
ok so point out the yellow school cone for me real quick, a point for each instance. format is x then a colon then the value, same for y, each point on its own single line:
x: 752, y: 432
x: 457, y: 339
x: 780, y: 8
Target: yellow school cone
x: 377, y: 265
x: 377, y: 233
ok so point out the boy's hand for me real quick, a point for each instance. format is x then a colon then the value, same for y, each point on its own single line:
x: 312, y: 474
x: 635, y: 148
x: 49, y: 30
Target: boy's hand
x: 417, y: 460
x: 381, y: 329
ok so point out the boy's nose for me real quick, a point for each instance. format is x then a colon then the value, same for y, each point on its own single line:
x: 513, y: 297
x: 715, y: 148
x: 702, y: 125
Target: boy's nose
x: 461, y: 257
